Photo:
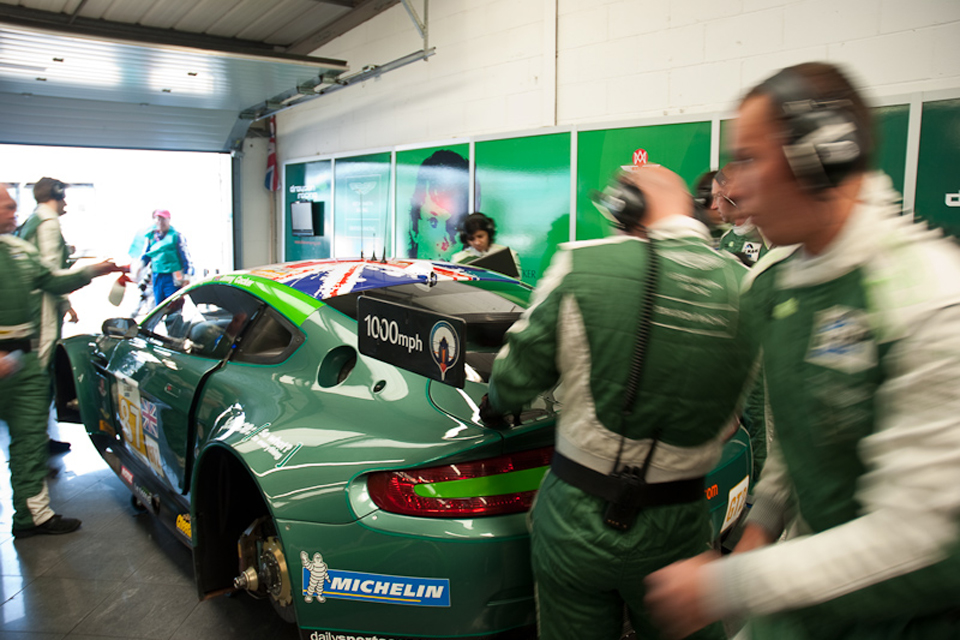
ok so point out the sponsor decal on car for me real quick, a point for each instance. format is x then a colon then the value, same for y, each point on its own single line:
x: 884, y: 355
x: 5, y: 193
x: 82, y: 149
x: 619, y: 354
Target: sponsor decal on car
x: 126, y: 474
x: 106, y: 427
x: 261, y: 438
x: 736, y: 501
x: 321, y: 583
x: 183, y: 525
x: 148, y: 411
x: 444, y: 346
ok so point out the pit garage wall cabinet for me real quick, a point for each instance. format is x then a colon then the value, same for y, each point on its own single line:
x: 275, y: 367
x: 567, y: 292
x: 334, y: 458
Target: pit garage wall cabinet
x: 527, y: 182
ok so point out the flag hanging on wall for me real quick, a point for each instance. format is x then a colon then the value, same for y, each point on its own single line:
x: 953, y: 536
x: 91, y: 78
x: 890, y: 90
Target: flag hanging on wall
x: 272, y: 180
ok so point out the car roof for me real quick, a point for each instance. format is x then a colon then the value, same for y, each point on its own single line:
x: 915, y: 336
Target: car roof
x: 314, y: 281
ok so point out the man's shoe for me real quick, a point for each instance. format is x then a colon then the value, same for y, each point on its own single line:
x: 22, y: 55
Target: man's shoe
x: 57, y: 447
x: 55, y: 526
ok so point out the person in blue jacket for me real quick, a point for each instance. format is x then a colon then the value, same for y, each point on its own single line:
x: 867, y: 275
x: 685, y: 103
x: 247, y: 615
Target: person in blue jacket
x: 166, y: 252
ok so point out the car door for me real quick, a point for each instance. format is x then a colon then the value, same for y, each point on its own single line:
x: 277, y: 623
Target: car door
x: 158, y: 375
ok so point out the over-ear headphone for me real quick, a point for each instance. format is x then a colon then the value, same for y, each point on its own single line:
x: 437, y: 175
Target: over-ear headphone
x: 477, y: 222
x: 824, y: 141
x: 622, y: 203
x: 58, y: 190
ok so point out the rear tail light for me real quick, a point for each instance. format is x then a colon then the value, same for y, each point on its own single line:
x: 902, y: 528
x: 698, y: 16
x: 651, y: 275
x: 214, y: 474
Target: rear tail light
x: 496, y: 486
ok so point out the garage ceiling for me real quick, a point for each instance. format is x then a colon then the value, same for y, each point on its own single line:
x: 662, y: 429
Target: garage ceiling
x: 166, y: 74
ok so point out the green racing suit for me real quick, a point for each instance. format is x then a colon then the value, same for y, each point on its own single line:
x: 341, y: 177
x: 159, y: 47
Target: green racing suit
x: 581, y: 330
x: 861, y: 349
x: 25, y: 395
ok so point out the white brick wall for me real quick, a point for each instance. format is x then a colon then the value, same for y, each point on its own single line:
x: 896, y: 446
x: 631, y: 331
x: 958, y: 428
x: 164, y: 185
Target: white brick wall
x: 615, y: 60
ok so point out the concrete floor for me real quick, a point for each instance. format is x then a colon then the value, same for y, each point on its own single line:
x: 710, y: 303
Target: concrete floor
x: 122, y: 575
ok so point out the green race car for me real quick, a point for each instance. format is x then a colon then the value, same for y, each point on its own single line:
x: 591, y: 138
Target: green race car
x: 312, y: 431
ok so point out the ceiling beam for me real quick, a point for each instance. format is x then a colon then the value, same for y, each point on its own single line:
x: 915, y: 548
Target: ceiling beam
x: 364, y: 10
x: 135, y: 34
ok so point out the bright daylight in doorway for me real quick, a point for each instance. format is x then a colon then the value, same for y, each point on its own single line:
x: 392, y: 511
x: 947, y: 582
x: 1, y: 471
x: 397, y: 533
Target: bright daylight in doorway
x: 110, y: 198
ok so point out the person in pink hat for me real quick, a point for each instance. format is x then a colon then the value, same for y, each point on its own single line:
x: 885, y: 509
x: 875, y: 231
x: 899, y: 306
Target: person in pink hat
x: 166, y: 252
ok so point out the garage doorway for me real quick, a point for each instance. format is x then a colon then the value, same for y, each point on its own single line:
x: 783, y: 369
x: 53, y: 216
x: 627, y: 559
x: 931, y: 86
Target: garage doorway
x: 111, y: 195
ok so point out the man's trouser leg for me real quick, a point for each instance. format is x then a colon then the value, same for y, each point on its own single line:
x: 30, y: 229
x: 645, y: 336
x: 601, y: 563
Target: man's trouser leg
x: 586, y: 571
x: 26, y: 407
x: 163, y: 287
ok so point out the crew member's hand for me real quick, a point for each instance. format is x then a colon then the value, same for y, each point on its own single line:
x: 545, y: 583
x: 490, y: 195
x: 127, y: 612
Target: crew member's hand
x: 105, y: 267
x: 72, y: 315
x: 753, y: 537
x: 490, y: 416
x: 6, y: 367
x: 675, y: 597
x: 178, y: 278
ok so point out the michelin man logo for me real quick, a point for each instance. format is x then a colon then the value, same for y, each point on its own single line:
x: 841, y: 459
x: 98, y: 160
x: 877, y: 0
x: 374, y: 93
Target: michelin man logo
x: 317, y: 570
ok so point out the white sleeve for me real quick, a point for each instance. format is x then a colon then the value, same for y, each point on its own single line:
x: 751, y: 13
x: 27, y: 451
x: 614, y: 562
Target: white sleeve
x: 908, y: 493
x: 48, y: 243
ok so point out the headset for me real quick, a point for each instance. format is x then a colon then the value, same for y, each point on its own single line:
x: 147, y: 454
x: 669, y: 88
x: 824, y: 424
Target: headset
x: 824, y: 141
x: 622, y: 203
x: 477, y: 222
x: 58, y: 190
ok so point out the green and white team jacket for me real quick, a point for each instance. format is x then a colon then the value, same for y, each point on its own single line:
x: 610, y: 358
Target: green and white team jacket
x: 745, y: 240
x: 581, y: 331
x: 861, y: 351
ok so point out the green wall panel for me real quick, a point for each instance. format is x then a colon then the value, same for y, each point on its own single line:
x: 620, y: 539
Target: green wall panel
x: 432, y: 198
x: 683, y: 148
x: 307, y: 182
x: 938, y: 177
x: 890, y: 135
x: 524, y: 185
x: 362, y: 206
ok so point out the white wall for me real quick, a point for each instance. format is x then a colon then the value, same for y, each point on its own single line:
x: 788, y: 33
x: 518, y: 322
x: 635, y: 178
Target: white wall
x: 510, y: 65
x: 256, y: 217
x: 514, y: 65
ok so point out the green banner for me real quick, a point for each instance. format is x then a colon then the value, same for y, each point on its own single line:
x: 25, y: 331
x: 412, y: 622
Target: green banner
x: 938, y: 180
x: 433, y: 193
x: 683, y: 148
x: 307, y: 182
x: 362, y: 208
x: 524, y: 185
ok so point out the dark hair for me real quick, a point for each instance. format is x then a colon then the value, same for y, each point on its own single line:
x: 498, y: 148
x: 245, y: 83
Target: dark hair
x: 48, y: 189
x: 446, y: 171
x: 477, y: 222
x: 827, y: 83
x: 703, y: 195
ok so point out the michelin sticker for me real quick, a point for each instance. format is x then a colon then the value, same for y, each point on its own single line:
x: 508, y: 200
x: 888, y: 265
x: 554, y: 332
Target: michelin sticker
x: 321, y: 583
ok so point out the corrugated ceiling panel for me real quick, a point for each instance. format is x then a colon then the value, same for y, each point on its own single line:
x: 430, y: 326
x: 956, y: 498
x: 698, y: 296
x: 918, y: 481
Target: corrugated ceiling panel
x: 243, y: 14
x: 164, y: 15
x: 307, y: 18
x: 43, y: 5
x: 90, y: 123
x: 129, y: 12
x: 94, y: 9
x: 204, y: 14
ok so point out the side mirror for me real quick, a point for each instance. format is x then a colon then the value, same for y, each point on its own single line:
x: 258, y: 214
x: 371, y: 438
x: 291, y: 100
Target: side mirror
x: 120, y: 327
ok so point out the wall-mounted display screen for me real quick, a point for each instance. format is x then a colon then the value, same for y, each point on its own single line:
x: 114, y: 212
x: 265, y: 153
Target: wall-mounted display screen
x: 306, y: 218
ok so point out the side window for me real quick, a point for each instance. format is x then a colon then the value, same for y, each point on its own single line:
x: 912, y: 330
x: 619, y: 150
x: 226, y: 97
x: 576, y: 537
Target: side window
x: 204, y: 322
x: 271, y: 339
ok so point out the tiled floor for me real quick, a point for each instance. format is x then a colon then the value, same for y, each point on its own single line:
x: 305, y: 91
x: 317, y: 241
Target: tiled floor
x: 122, y: 575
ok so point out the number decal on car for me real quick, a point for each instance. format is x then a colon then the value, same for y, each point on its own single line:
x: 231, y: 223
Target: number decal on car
x: 736, y: 502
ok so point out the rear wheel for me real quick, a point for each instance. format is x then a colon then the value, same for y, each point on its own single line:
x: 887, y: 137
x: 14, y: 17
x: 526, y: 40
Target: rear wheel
x: 263, y: 567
